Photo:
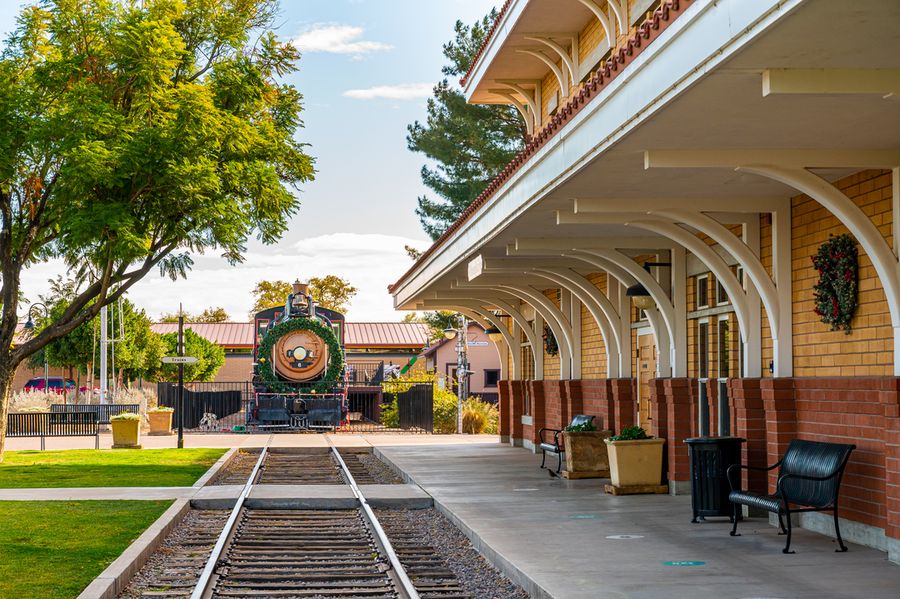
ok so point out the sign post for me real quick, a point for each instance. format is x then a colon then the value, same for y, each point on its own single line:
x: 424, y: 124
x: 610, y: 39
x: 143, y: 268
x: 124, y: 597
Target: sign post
x: 180, y: 401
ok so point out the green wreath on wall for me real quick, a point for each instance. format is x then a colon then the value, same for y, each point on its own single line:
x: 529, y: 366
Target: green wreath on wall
x: 837, y: 263
x: 335, y: 355
x: 551, y: 346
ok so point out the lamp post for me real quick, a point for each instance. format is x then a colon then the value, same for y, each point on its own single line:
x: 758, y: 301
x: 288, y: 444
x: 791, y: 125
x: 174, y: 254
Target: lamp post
x: 462, y: 365
x: 29, y: 326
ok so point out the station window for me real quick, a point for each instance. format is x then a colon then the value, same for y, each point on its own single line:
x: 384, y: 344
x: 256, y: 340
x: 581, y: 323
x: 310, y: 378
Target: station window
x: 703, y: 349
x: 702, y: 293
x: 491, y: 378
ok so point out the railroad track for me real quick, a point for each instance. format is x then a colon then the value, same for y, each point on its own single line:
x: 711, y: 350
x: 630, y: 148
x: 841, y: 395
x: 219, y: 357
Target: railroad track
x: 341, y: 554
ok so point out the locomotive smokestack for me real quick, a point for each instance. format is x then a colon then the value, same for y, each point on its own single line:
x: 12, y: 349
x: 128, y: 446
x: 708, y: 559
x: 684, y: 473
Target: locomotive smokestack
x: 300, y: 287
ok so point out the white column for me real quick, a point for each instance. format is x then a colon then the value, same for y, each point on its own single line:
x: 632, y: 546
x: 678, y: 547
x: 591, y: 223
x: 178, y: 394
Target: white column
x: 781, y: 271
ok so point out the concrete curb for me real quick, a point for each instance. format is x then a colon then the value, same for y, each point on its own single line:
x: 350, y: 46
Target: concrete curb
x: 118, y: 574
x: 495, y: 558
x: 214, y: 469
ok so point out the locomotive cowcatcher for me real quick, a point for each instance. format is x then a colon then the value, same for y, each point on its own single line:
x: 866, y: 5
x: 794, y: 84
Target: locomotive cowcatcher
x: 299, y: 378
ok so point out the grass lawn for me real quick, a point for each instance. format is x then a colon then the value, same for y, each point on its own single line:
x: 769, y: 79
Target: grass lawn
x: 53, y: 549
x: 105, y: 468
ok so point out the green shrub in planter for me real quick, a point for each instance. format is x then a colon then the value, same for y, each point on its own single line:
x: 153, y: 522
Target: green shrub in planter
x: 631, y: 433
x: 584, y: 427
x: 124, y: 416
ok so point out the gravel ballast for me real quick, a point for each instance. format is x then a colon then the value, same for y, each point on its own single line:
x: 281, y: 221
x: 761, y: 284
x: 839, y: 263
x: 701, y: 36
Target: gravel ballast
x: 473, y: 572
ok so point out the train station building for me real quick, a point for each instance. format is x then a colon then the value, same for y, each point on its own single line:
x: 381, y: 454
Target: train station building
x: 648, y: 255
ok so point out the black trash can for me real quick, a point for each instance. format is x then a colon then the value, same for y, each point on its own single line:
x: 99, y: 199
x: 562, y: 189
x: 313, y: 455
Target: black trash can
x: 710, y: 459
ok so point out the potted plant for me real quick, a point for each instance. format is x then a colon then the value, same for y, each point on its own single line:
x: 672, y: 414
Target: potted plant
x: 160, y: 420
x: 126, y: 430
x: 635, y: 462
x: 586, y: 453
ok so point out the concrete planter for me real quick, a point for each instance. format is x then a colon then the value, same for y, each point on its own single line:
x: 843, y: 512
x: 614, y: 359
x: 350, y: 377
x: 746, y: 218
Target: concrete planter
x: 160, y: 423
x: 126, y: 433
x: 586, y: 454
x: 636, y: 463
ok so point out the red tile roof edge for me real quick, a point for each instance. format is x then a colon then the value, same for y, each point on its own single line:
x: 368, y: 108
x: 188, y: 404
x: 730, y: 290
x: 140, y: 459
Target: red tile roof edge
x: 487, y: 40
x: 622, y: 55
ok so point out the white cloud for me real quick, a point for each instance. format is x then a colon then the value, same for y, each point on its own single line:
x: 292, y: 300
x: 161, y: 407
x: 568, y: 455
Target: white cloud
x: 337, y: 39
x: 369, y: 262
x: 403, y: 91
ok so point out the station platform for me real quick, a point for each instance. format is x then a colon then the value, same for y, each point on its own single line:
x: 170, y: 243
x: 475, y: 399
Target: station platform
x: 570, y: 540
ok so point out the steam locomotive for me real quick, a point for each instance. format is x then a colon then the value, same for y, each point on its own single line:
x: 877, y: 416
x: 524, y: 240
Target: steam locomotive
x: 299, y: 378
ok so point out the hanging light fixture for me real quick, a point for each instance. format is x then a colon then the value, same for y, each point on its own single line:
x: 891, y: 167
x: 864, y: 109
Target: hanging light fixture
x: 639, y: 295
x: 494, y: 334
x: 450, y: 333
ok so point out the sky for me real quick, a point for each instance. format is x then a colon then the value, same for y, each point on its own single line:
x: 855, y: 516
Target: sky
x: 366, y: 71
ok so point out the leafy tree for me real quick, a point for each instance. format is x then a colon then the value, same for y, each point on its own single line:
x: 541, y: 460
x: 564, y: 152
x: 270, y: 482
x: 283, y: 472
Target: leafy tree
x: 210, y: 358
x: 412, y: 252
x: 133, y: 133
x: 468, y: 144
x: 269, y: 294
x: 209, y: 315
x: 332, y: 292
x: 437, y: 321
x: 136, y: 355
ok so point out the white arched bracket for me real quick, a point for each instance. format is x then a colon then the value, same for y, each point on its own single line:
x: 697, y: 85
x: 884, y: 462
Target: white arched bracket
x: 524, y: 110
x: 852, y: 217
x: 486, y: 320
x: 614, y: 261
x: 607, y: 25
x: 591, y: 298
x: 560, y: 76
x: 789, y: 166
x: 552, y: 315
x: 567, y: 59
x: 502, y: 301
x: 779, y: 315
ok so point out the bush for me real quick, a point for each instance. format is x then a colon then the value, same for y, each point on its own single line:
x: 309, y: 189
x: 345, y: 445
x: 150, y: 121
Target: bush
x: 33, y: 401
x: 444, y: 411
x: 480, y: 417
x: 585, y: 427
x: 631, y: 433
x: 390, y: 414
x: 160, y: 409
x: 124, y: 416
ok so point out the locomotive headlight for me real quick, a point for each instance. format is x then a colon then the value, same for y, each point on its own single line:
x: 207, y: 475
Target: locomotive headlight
x: 300, y: 353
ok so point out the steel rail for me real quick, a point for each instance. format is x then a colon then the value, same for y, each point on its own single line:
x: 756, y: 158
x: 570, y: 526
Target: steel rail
x: 206, y: 577
x: 398, y: 573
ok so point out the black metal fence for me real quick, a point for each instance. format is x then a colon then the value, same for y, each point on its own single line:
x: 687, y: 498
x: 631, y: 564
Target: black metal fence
x: 48, y: 424
x: 365, y: 373
x: 390, y: 406
x: 209, y: 406
x: 393, y: 406
x: 103, y: 411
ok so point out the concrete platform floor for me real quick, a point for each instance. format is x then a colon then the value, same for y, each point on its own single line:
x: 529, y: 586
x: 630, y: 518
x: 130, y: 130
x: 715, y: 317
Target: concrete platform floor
x: 558, y: 538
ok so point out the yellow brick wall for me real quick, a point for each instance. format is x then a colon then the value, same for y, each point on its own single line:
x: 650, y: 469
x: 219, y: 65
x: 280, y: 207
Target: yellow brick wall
x: 551, y: 363
x: 549, y: 88
x: 765, y: 256
x: 818, y: 351
x: 593, y: 350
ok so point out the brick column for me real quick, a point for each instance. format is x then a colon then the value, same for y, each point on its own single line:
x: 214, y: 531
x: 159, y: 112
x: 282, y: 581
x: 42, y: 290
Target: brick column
x: 538, y: 413
x: 623, y: 406
x: 658, y: 412
x: 516, y: 399
x: 505, y: 418
x: 890, y: 401
x: 574, y: 393
x: 679, y: 398
x: 749, y: 421
x: 597, y: 401
x: 781, y: 420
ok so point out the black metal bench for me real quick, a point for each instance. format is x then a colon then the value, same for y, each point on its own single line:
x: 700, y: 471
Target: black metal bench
x: 104, y: 411
x: 554, y: 447
x: 810, y: 477
x: 50, y: 424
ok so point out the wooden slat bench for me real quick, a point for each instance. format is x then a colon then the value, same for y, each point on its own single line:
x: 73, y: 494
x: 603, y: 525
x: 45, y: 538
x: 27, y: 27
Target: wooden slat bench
x: 104, y: 411
x: 50, y: 424
x: 809, y: 477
